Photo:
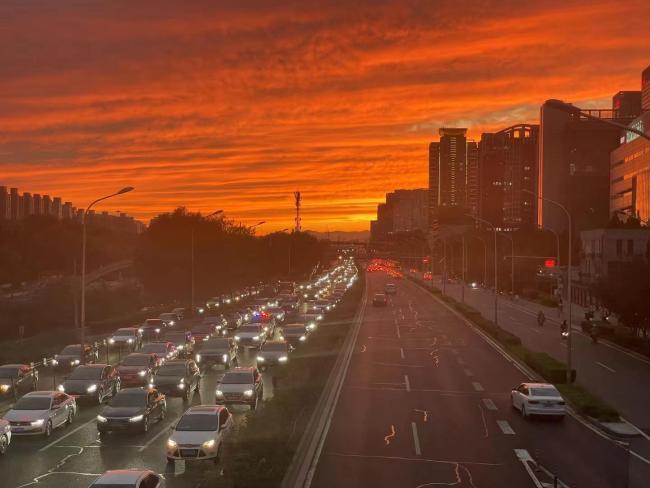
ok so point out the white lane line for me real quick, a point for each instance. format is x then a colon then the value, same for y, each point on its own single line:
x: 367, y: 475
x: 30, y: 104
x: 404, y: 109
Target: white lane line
x: 536, y: 330
x: 416, y: 439
x: 399, y: 336
x: 407, y: 382
x: 44, y: 448
x: 643, y: 434
x: 401, y: 353
x: 489, y: 404
x: 526, y: 459
x: 639, y: 457
x: 164, y: 430
x: 505, y: 427
x: 468, y: 372
x: 606, y: 367
x: 460, y: 361
x: 485, y: 427
x: 477, y: 386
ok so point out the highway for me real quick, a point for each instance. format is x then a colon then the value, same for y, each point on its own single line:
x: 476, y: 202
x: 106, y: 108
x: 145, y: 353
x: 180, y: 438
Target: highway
x: 426, y: 402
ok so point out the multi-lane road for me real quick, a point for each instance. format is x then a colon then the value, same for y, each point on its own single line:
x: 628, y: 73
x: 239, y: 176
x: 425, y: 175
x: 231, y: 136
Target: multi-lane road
x: 426, y: 402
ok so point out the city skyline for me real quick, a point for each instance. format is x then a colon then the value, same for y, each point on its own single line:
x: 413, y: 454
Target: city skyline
x: 196, y: 112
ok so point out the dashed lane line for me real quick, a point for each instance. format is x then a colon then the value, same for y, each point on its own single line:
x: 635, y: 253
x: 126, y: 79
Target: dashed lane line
x: 477, y: 386
x: 489, y: 404
x: 401, y: 353
x: 73, y: 431
x: 416, y: 439
x: 611, y: 370
x: 468, y: 372
x: 407, y: 382
x: 505, y: 427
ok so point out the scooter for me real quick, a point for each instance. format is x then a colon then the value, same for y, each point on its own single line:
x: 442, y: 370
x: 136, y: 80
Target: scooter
x: 564, y: 334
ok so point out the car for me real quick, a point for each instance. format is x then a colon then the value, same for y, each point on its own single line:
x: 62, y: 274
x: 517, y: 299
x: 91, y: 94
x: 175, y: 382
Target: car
x: 40, y: 412
x: 213, y: 302
x: 199, y: 433
x: 250, y: 335
x: 16, y: 379
x: 129, y: 478
x: 379, y: 300
x: 163, y: 350
x: 294, y: 334
x: 323, y: 305
x: 178, y: 377
x: 390, y: 289
x: 240, y: 386
x: 311, y: 320
x: 129, y: 337
x: 137, y: 369
x: 218, y: 350
x: 92, y: 381
x: 132, y: 409
x: 5, y: 436
x: 150, y: 329
x: 180, y: 312
x: 233, y: 320
x: 70, y: 356
x: 169, y: 318
x: 277, y: 313
x: 202, y: 332
x: 273, y: 353
x: 182, y: 339
x: 538, y: 399
x: 217, y: 321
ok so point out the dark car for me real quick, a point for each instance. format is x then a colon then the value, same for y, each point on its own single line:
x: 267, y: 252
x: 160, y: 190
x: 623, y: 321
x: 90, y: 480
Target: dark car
x: 92, y: 381
x: 17, y: 379
x: 132, y: 409
x: 217, y: 321
x: 70, y: 356
x: 218, y: 350
x: 294, y: 334
x: 233, y: 320
x: 202, y: 332
x: 273, y: 353
x: 240, y: 386
x: 379, y: 300
x: 152, y: 329
x: 183, y: 341
x: 163, y: 350
x: 177, y: 378
x: 137, y: 369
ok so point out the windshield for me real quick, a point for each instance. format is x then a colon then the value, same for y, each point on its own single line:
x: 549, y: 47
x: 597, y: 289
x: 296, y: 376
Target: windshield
x: 69, y: 350
x: 82, y: 373
x: 544, y: 392
x: 249, y: 328
x: 124, y: 332
x: 293, y: 330
x: 157, y: 348
x: 172, y: 370
x: 129, y: 399
x: 153, y: 322
x: 237, y: 378
x: 8, y: 372
x: 274, y: 347
x: 198, y: 423
x: 203, y: 329
x: 217, y: 344
x: 136, y: 361
x: 32, y: 403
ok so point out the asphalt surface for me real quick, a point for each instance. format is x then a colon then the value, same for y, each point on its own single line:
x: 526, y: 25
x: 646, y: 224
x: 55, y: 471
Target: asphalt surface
x: 74, y: 456
x: 426, y: 402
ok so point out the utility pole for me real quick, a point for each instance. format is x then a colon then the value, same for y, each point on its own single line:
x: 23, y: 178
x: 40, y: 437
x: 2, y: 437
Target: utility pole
x: 462, y: 271
x: 298, y: 200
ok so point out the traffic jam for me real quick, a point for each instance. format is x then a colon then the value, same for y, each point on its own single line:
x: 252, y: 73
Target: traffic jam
x: 131, y: 375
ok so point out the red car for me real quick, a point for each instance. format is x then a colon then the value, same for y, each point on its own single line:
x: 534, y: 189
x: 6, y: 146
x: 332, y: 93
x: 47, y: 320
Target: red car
x: 137, y: 369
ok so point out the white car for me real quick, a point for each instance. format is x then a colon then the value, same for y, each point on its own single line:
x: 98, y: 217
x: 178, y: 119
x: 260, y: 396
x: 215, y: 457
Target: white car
x: 40, y: 412
x: 199, y: 434
x: 129, y: 478
x: 538, y: 399
x: 126, y: 336
x: 5, y: 436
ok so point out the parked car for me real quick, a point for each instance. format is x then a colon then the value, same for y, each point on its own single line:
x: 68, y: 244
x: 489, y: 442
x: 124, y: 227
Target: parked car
x: 92, y: 381
x: 218, y: 350
x: 199, y: 433
x: 250, y: 335
x: 40, y: 412
x: 538, y: 399
x: 17, y: 379
x: 164, y: 350
x: 240, y: 386
x: 129, y: 478
x: 178, y: 377
x: 137, y: 369
x: 379, y: 300
x: 5, y: 436
x: 294, y: 334
x: 70, y: 356
x: 132, y: 409
x: 128, y: 337
x: 273, y: 353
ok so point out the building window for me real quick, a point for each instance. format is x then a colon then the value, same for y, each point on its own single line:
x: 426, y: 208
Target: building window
x: 630, y: 247
x: 619, y: 247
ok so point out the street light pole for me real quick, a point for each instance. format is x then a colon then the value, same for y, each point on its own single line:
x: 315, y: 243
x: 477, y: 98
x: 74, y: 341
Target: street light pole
x: 569, y: 354
x: 462, y: 271
x: 496, y: 283
x: 83, y: 268
x: 512, y: 264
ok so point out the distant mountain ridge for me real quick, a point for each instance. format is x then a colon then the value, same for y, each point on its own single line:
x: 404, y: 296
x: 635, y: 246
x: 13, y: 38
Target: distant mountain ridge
x: 340, y: 235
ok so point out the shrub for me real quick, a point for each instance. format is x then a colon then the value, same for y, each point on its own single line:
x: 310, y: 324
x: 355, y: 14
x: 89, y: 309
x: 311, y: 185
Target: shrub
x: 550, y: 368
x: 587, y: 404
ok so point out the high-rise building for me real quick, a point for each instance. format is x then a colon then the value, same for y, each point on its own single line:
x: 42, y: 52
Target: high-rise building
x: 403, y: 211
x: 645, y: 89
x: 508, y: 166
x: 625, y: 104
x: 5, y: 203
x: 67, y: 211
x: 47, y: 205
x: 574, y: 164
x: 15, y: 204
x: 38, y: 204
x: 453, y: 177
x: 57, y: 208
x: 28, y: 204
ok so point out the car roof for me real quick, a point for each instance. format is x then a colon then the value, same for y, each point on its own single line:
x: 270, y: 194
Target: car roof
x: 41, y: 393
x: 285, y: 343
x: 241, y: 369
x: 139, y: 354
x: 92, y: 366
x: 176, y: 361
x: 540, y: 385
x: 20, y: 366
x: 122, y: 476
x: 204, y: 410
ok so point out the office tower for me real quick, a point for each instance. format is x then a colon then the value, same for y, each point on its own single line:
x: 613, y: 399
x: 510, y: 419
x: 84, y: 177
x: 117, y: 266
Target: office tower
x: 508, y: 166
x: 645, y: 89
x: 47, y: 205
x: 5, y: 203
x: 28, y: 204
x: 38, y: 204
x: 67, y: 211
x: 16, y: 212
x: 626, y: 104
x: 57, y: 208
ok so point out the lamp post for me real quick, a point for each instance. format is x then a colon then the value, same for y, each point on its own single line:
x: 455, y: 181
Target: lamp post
x: 496, y: 287
x: 512, y: 264
x: 83, y: 267
x: 567, y: 107
x: 216, y: 212
x: 484, y: 258
x: 569, y: 298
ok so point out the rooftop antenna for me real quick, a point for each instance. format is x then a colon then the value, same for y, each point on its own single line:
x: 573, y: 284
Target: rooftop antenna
x: 298, y: 200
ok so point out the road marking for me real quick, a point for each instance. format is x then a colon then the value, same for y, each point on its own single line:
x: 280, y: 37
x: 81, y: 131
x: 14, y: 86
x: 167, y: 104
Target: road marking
x: 468, y: 372
x: 639, y: 457
x: 425, y: 414
x: 606, y: 367
x: 390, y: 436
x: 526, y: 459
x: 489, y: 404
x: 44, y: 448
x: 399, y: 365
x: 165, y: 430
x: 399, y: 336
x: 643, y: 434
x: 485, y: 427
x: 401, y: 353
x: 407, y: 382
x: 416, y: 439
x: 460, y: 361
x: 477, y: 386
x: 505, y: 427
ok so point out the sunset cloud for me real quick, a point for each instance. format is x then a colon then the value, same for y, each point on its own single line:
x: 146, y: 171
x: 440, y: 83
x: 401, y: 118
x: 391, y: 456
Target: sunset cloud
x: 234, y: 105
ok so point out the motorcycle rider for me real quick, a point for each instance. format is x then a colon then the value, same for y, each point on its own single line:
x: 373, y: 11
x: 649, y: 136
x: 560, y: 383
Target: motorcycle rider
x: 541, y: 318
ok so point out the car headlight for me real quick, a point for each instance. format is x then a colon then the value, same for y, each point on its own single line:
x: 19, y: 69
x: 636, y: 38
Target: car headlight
x: 198, y: 358
x: 180, y: 346
x: 236, y: 337
x: 283, y: 359
x: 111, y: 341
x: 225, y: 358
x: 137, y: 418
x: 151, y: 385
x: 157, y: 330
x: 61, y: 388
x: 141, y: 330
x: 4, y: 388
x: 281, y: 338
x: 171, y: 322
x: 303, y: 338
x: 75, y: 362
x: 142, y: 373
x: 260, y: 359
x: 130, y: 341
x: 181, y: 386
x: 101, y: 419
x: 54, y: 362
x: 311, y: 326
x: 248, y: 393
x: 171, y: 444
x: 256, y: 338
x: 206, y: 338
x: 91, y: 388
x: 218, y: 393
x: 320, y: 317
x: 37, y: 423
x: 209, y: 444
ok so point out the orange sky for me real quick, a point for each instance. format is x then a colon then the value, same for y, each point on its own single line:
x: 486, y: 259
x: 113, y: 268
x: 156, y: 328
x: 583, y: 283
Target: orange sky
x: 236, y: 104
